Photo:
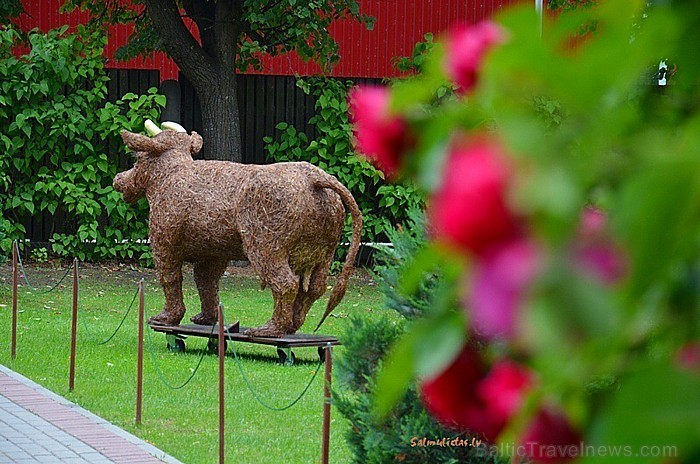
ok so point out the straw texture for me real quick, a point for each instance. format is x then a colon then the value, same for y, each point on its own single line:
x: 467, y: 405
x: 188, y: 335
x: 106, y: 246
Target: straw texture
x: 285, y: 218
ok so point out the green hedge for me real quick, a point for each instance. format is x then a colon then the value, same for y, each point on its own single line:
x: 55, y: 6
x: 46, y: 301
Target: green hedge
x: 55, y: 127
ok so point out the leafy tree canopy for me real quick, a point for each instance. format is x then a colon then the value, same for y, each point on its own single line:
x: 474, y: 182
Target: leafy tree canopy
x: 264, y: 26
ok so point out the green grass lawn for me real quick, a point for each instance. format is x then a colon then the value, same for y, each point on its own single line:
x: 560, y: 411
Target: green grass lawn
x: 183, y: 422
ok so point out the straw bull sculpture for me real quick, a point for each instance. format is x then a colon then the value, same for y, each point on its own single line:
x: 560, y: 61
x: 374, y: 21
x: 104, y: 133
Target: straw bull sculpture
x: 285, y: 218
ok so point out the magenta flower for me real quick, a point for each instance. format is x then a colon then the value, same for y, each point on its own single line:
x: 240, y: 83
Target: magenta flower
x: 466, y: 48
x: 383, y: 138
x: 688, y: 357
x: 595, y: 253
x: 499, y: 285
x: 593, y: 223
x: 469, y: 210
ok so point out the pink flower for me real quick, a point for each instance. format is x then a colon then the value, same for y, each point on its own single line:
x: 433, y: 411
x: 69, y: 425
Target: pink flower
x: 466, y: 397
x: 595, y: 253
x: 466, y: 48
x: 688, y: 357
x: 550, y: 437
x: 499, y: 285
x: 469, y: 210
x: 381, y: 137
x: 592, y: 224
x: 505, y: 388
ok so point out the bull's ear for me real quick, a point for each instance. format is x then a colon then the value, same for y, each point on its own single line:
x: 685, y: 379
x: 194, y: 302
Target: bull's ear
x: 138, y: 142
x: 196, y: 141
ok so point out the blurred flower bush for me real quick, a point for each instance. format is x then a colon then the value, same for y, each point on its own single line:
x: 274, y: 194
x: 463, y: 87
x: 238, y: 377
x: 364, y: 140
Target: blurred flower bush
x: 564, y: 217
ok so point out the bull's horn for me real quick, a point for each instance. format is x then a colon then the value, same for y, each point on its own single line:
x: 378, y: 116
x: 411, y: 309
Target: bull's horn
x: 170, y: 125
x: 151, y: 128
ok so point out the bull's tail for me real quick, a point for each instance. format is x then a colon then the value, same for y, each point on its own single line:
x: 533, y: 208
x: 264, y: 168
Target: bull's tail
x: 339, y: 289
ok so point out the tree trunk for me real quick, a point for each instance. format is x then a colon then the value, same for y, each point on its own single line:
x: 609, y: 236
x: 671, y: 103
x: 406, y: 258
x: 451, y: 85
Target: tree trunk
x: 221, y: 120
x: 209, y: 66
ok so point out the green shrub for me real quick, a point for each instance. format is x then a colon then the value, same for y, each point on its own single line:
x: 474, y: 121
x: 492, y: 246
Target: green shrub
x: 55, y: 127
x: 5, y: 240
x: 391, y: 260
x: 366, y: 343
x: 383, y: 205
x: 39, y: 255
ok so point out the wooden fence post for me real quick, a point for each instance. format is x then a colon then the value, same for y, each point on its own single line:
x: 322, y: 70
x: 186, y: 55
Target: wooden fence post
x: 73, y: 327
x: 325, y: 445
x: 139, y: 357
x: 15, y: 283
x: 222, y: 354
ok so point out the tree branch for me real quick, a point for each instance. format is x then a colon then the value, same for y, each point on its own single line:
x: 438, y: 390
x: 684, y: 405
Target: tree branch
x: 195, y: 63
x: 203, y: 15
x: 255, y: 35
x: 270, y: 6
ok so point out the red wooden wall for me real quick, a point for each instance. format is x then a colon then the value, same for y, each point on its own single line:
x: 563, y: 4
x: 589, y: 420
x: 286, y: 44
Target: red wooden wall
x: 399, y: 25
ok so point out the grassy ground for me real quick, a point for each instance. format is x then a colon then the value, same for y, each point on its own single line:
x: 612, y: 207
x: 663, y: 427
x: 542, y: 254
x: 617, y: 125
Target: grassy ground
x: 181, y: 422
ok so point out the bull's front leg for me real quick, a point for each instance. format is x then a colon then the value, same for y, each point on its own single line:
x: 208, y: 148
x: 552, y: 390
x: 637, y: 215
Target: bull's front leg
x: 170, y: 273
x: 207, y: 275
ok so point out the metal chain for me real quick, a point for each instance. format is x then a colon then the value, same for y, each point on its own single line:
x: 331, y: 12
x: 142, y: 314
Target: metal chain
x: 157, y: 366
x: 107, y: 340
x: 201, y: 357
x: 252, y: 390
x: 26, y: 281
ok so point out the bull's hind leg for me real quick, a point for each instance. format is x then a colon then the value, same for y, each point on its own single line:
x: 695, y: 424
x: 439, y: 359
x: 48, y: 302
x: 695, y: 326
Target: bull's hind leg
x: 277, y: 274
x: 207, y: 275
x: 307, y: 297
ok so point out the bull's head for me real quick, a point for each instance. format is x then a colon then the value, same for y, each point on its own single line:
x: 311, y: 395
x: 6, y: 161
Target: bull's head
x: 152, y: 154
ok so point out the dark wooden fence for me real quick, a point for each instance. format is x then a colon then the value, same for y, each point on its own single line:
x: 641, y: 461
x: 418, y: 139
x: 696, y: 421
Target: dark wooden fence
x: 264, y: 102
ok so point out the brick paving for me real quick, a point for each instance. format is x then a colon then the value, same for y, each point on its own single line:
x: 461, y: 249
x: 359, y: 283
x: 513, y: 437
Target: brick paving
x: 38, y: 426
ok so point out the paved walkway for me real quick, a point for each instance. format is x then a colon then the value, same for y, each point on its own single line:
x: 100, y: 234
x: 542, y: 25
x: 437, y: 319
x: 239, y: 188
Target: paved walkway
x: 38, y: 426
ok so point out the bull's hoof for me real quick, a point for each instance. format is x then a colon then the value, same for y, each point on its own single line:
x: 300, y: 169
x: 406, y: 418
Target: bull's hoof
x: 268, y: 330
x: 164, y: 318
x: 204, y: 319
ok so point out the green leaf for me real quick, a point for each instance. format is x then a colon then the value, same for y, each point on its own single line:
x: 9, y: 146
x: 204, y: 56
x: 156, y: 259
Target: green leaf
x: 655, y: 406
x: 657, y: 210
x: 439, y: 340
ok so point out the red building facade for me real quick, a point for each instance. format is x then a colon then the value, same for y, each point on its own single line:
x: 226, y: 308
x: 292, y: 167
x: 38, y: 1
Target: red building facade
x: 364, y: 54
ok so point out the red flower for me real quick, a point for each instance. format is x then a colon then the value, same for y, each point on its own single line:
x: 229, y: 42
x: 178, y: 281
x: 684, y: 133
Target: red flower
x: 469, y: 210
x: 466, y: 48
x: 465, y: 397
x: 451, y: 396
x: 381, y: 137
x: 499, y: 285
x: 550, y: 437
x: 504, y: 390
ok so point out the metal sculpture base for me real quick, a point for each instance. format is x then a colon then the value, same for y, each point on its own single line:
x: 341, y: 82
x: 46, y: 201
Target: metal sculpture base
x: 176, y: 335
